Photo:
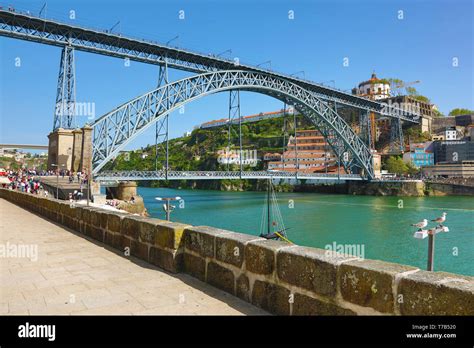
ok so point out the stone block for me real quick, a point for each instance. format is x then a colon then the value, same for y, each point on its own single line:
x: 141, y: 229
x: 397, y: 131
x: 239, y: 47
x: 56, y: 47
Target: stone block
x: 139, y: 249
x: 309, y: 268
x: 147, y: 231
x: 114, y: 222
x: 260, y: 255
x: 131, y: 226
x: 201, y: 239
x: 369, y: 283
x: 109, y: 238
x: 436, y: 293
x: 169, y: 234
x: 305, y: 305
x: 230, y: 248
x: 121, y: 242
x: 220, y: 277
x: 271, y: 297
x: 195, y: 266
x: 242, y: 288
x: 170, y: 261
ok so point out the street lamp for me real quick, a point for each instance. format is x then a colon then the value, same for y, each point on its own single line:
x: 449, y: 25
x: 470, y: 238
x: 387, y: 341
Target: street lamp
x: 57, y: 178
x: 422, y: 234
x: 167, y: 207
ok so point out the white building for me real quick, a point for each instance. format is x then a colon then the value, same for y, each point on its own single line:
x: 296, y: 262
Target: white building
x: 451, y: 134
x: 374, y: 88
x: 227, y: 156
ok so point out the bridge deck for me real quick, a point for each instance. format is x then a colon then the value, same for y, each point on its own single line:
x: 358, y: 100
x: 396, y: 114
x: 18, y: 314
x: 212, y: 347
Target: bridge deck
x: 217, y: 175
x: 25, y: 26
x: 73, y: 275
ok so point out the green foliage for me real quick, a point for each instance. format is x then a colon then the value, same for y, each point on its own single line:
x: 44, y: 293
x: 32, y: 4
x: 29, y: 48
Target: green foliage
x: 199, y: 152
x: 415, y: 135
x: 383, y: 81
x: 395, y: 164
x: 421, y: 98
x: 460, y: 111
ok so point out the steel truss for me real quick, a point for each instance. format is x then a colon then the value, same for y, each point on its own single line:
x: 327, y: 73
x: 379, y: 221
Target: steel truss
x: 31, y: 28
x: 162, y: 129
x: 110, y: 176
x: 114, y: 130
x: 396, y: 136
x: 234, y: 114
x: 65, y: 107
x: 365, y: 127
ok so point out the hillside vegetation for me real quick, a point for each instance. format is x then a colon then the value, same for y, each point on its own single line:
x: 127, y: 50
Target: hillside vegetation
x: 199, y: 152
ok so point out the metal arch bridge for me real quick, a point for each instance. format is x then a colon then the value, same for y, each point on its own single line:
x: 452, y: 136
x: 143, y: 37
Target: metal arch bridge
x: 25, y: 26
x: 115, y: 129
x: 135, y: 175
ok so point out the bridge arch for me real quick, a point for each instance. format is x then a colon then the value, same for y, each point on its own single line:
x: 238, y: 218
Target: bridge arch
x: 114, y: 130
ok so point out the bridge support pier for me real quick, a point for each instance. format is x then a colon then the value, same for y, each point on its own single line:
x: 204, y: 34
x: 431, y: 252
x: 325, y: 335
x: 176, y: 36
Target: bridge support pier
x: 124, y: 191
x: 71, y: 149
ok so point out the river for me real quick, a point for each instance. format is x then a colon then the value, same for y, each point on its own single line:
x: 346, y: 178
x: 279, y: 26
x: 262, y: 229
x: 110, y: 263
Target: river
x: 381, y: 225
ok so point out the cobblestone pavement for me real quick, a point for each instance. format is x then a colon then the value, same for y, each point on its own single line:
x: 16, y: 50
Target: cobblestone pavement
x: 75, y: 275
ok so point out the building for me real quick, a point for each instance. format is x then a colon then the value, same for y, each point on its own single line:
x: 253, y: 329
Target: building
x: 379, y: 89
x: 272, y: 156
x: 420, y: 155
x: 453, y: 151
x: 247, y: 119
x: 470, y: 132
x: 308, y: 152
x: 247, y: 157
x: 463, y: 169
x: 410, y: 104
x: 439, y: 124
x: 451, y: 134
x: 374, y: 88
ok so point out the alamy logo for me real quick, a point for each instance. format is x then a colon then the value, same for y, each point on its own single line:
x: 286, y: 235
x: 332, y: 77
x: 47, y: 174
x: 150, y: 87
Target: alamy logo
x: 37, y: 331
x: 11, y: 250
x: 77, y: 108
x: 335, y: 250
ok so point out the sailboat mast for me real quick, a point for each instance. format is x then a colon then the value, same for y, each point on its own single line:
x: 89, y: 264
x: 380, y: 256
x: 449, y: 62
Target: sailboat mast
x: 268, y: 206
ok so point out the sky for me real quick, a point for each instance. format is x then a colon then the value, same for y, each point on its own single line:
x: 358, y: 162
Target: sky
x: 411, y: 40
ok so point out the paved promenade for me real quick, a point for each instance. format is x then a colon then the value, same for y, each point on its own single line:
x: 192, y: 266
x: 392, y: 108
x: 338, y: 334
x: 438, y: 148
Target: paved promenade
x: 74, y: 275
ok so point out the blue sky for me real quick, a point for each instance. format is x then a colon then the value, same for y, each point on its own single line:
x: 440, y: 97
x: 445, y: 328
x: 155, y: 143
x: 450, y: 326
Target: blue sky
x: 421, y: 46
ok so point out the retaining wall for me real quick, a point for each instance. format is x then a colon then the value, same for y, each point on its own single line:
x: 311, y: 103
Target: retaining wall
x: 278, y: 277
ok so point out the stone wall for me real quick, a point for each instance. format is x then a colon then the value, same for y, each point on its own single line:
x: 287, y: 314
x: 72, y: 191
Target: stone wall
x: 280, y: 278
x: 447, y: 189
x: 386, y: 188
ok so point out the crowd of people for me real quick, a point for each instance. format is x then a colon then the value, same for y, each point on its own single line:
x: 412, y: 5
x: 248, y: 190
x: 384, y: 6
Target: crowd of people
x: 27, y: 180
x: 23, y: 180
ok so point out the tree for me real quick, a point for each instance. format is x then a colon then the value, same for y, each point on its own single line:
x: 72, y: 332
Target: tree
x: 460, y: 111
x: 396, y: 165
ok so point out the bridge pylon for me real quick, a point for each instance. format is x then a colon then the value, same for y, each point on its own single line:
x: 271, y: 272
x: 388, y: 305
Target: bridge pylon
x: 162, y: 127
x: 396, y: 136
x: 65, y: 107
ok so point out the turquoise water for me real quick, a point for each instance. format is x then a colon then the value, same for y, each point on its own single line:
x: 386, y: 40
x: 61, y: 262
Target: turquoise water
x: 316, y: 220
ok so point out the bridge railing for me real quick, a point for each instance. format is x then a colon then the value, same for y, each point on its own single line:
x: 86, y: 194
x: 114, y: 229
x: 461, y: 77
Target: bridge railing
x: 215, y: 175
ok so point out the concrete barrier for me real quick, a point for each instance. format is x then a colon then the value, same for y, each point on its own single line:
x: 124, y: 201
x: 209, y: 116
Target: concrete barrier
x: 280, y: 278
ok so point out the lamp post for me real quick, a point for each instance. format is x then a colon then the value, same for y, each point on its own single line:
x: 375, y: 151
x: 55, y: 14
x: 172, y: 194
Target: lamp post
x: 167, y: 207
x: 88, y: 189
x: 431, y: 233
x: 57, y: 178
